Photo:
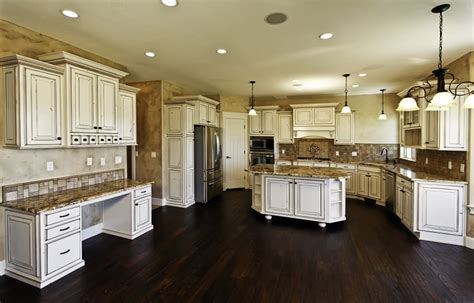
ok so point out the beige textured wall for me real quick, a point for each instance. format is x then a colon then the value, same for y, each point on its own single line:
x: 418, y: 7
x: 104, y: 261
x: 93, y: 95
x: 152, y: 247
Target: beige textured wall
x: 236, y: 104
x: 27, y: 165
x: 367, y: 109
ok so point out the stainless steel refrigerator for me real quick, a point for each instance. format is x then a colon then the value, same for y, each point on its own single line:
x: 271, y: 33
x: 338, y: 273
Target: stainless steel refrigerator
x: 208, y: 163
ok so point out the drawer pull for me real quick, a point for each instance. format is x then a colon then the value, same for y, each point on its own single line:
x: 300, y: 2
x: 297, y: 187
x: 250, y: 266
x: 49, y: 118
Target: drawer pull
x: 136, y: 204
x: 64, y: 252
x: 64, y: 229
x: 144, y: 191
x: 64, y: 216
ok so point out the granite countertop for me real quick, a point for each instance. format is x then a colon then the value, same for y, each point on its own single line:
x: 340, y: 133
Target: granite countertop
x: 299, y: 171
x: 48, y: 202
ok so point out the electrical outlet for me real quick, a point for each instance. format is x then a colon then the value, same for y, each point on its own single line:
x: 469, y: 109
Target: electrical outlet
x: 462, y: 167
x: 153, y: 154
x: 50, y: 166
x: 136, y: 154
x: 450, y: 165
x: 426, y: 160
x: 354, y: 154
x: 283, y: 151
x: 102, y: 161
x: 89, y: 162
x: 118, y: 159
x: 337, y: 153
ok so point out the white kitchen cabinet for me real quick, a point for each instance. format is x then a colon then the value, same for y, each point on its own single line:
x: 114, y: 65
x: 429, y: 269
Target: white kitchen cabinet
x: 309, y: 198
x: 265, y: 122
x: 399, y: 197
x: 345, y: 129
x: 83, y: 100
x: 107, y: 104
x: 142, y: 213
x: 205, y: 109
x: 363, y: 184
x: 303, y: 116
x: 127, y: 117
x: 369, y: 182
x: 32, y: 103
x: 279, y: 196
x: 431, y: 129
x: 441, y: 208
x: 351, y: 182
x: 453, y: 125
x: 285, y: 127
x: 313, y: 115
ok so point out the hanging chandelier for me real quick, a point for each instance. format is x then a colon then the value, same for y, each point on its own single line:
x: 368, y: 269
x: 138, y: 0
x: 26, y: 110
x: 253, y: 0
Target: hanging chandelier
x: 346, y: 109
x: 382, y: 115
x: 252, y: 111
x: 443, y: 98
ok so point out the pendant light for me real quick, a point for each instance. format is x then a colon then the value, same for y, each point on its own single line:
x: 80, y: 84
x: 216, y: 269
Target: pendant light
x: 252, y: 111
x: 382, y: 115
x: 443, y: 98
x: 346, y: 109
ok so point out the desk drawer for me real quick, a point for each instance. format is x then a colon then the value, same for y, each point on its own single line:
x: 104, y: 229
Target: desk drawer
x: 62, y: 229
x: 62, y: 215
x: 143, y: 191
x: 63, y: 252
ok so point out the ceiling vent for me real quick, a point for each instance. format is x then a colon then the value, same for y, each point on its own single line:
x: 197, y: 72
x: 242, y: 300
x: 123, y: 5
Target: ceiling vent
x: 276, y: 18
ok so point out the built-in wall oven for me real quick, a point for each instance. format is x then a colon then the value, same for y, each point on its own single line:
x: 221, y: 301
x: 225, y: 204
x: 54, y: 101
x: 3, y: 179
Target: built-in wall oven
x: 262, y: 144
x: 262, y: 158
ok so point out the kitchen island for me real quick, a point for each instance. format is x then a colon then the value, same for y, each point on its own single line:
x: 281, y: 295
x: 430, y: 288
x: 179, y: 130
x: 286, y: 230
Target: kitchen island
x: 306, y: 193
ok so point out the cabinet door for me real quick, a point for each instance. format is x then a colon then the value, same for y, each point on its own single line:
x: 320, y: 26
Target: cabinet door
x: 142, y: 210
x: 189, y: 120
x: 303, y: 116
x: 351, y: 182
x: 127, y: 118
x: 309, y: 198
x: 83, y: 101
x: 203, y: 113
x: 255, y: 128
x: 285, y: 128
x: 279, y: 196
x: 431, y: 129
x: 344, y: 129
x: 268, y: 122
x: 455, y: 125
x: 174, y: 120
x: 399, y: 197
x: 374, y: 186
x: 407, y: 209
x: 43, y: 108
x: 175, y: 189
x: 362, y: 184
x: 107, y: 104
x: 324, y: 116
x: 211, y: 115
x: 440, y: 208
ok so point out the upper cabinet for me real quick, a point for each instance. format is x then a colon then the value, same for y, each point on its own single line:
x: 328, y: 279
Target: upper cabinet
x: 318, y: 119
x: 285, y: 127
x: 33, y: 93
x: 205, y: 109
x: 345, y: 129
x: 265, y: 122
x: 127, y: 116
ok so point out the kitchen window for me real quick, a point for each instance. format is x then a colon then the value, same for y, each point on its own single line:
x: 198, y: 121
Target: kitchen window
x: 408, y: 153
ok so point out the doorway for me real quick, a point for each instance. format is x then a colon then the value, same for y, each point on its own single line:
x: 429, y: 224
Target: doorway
x: 235, y: 148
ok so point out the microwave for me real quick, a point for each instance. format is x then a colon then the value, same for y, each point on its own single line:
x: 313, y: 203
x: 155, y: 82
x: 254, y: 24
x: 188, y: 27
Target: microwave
x: 261, y: 143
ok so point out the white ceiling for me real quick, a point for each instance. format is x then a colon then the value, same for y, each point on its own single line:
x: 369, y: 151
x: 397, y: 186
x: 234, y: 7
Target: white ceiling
x: 394, y: 41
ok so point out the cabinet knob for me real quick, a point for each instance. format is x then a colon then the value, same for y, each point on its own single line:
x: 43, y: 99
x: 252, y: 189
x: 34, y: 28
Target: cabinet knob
x: 100, y: 127
x: 64, y: 252
x: 120, y: 138
x: 136, y: 204
x: 59, y: 138
x: 95, y: 127
x: 228, y: 157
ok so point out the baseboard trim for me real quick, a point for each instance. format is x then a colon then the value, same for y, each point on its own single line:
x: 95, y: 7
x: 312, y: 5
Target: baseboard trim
x: 469, y: 242
x: 2, y: 267
x: 175, y: 204
x: 158, y: 202
x: 441, y: 238
x: 92, y: 231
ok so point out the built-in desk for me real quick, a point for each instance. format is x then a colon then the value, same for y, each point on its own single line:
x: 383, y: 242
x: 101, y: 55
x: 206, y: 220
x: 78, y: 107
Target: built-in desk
x: 44, y: 235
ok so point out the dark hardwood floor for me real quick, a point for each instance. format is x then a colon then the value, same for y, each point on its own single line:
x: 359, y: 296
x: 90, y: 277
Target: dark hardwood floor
x: 225, y: 252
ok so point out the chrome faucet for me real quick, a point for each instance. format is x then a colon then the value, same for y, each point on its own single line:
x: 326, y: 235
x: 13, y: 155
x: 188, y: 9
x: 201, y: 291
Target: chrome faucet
x: 384, y: 149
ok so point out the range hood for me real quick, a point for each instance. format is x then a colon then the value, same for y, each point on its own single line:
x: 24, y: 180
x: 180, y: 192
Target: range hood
x: 314, y: 134
x: 315, y: 120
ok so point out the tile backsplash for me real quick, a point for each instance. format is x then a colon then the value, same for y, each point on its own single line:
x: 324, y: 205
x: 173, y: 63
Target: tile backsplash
x: 327, y: 149
x: 36, y: 188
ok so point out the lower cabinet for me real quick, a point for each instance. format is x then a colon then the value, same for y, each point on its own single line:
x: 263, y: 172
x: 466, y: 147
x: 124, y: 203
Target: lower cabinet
x: 369, y: 182
x: 142, y: 213
x: 309, y: 198
x: 279, y: 196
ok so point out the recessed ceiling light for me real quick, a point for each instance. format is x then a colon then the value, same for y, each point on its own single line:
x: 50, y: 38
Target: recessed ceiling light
x: 326, y: 36
x: 221, y: 51
x: 150, y: 54
x: 70, y: 13
x: 276, y: 18
x: 362, y: 75
x: 355, y: 85
x: 170, y: 3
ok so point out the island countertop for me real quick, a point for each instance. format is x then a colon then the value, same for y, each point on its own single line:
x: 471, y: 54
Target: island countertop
x: 48, y: 202
x: 299, y: 171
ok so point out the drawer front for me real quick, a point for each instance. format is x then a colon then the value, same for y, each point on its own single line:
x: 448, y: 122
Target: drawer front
x: 404, y: 183
x: 346, y: 166
x: 62, y: 229
x: 62, y: 215
x: 143, y: 191
x: 369, y: 168
x: 63, y: 252
x: 283, y: 162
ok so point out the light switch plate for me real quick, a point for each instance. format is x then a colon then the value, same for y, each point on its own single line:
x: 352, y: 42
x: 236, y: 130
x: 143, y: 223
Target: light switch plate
x: 426, y: 161
x: 462, y: 167
x: 50, y: 166
x: 450, y: 165
x: 337, y: 153
x: 283, y: 151
x: 153, y: 154
x: 136, y: 154
x: 102, y: 161
x: 354, y: 154
x: 118, y: 159
x: 89, y: 162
